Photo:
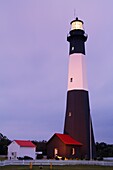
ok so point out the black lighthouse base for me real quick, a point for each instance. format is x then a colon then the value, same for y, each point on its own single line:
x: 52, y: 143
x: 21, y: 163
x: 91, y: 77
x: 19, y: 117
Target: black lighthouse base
x: 78, y: 122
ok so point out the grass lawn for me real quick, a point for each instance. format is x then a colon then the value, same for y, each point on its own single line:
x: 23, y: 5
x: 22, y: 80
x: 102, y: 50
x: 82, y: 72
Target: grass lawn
x: 57, y: 168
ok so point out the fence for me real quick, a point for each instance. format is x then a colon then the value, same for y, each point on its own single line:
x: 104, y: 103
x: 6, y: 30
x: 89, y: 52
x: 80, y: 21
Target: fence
x: 55, y: 162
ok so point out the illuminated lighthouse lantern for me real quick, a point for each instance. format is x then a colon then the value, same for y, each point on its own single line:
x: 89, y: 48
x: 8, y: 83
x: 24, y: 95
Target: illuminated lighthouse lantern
x: 77, y: 24
x: 77, y: 119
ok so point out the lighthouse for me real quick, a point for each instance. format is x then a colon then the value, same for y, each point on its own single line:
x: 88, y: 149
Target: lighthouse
x: 78, y: 123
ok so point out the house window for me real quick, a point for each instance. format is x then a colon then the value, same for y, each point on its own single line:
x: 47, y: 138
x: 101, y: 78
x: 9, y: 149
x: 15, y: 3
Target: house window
x: 71, y: 79
x: 73, y: 151
x: 69, y: 114
x: 72, y: 48
x: 55, y: 151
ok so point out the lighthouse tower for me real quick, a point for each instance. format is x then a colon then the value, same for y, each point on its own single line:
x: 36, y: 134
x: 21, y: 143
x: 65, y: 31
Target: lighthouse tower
x: 78, y: 122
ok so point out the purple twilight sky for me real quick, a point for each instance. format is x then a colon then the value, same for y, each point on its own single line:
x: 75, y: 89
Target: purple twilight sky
x: 34, y: 66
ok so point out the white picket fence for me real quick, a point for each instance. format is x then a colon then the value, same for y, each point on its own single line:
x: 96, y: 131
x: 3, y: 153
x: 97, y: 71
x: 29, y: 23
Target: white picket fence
x: 55, y: 162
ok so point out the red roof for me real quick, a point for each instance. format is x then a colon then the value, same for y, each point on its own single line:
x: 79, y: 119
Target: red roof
x: 25, y: 143
x: 68, y: 140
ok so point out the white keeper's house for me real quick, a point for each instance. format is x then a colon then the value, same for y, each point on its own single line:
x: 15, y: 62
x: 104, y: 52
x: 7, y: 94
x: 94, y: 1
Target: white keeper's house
x: 21, y: 148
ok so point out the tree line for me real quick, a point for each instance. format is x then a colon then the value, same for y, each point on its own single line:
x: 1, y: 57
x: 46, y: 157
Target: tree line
x: 104, y: 150
x: 4, y: 142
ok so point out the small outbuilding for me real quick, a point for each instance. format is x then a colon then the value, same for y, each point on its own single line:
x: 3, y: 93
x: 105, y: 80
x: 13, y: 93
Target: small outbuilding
x: 20, y: 149
x: 63, y: 146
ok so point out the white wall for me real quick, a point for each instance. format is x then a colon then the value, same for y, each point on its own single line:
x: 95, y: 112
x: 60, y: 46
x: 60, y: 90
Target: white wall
x: 27, y: 151
x: 13, y: 147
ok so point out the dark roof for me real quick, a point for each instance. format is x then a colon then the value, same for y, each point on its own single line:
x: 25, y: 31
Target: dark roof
x: 24, y: 143
x: 66, y: 139
x: 77, y: 20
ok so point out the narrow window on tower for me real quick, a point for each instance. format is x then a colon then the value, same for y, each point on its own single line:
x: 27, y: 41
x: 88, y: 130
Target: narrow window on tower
x: 72, y: 48
x: 71, y: 79
x: 69, y: 114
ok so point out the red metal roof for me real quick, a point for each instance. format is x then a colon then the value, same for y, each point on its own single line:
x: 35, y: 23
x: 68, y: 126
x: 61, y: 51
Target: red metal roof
x: 25, y: 143
x: 68, y: 140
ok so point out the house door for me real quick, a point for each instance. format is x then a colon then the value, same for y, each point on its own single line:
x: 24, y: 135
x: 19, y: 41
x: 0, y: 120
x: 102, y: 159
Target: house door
x: 73, y: 151
x: 14, y: 154
x: 55, y: 151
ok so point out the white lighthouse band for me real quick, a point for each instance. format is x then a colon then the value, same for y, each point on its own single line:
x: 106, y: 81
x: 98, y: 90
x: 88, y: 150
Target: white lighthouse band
x: 77, y: 78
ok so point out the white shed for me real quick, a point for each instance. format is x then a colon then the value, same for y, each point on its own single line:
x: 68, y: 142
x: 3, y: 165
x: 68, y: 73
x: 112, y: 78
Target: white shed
x: 21, y: 148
